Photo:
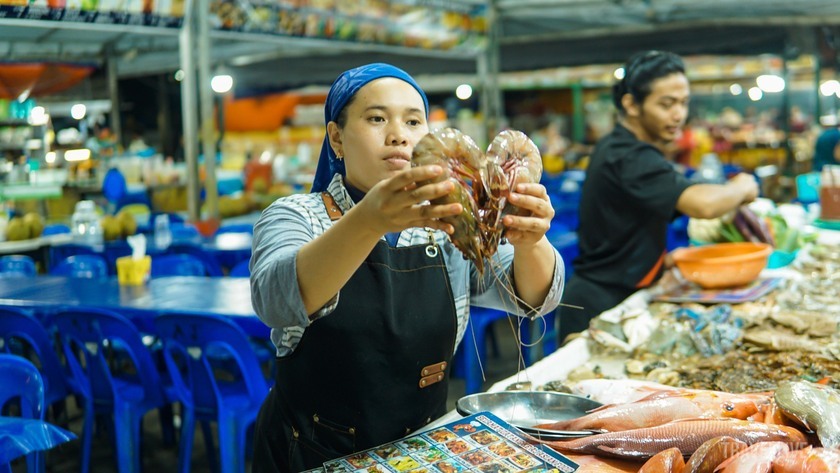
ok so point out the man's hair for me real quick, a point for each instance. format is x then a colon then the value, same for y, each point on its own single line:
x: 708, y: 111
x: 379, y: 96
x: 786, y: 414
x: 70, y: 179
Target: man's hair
x: 641, y: 70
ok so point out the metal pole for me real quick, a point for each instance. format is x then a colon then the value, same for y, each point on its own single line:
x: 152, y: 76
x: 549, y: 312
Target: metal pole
x: 578, y: 118
x: 114, y: 95
x: 189, y: 111
x: 817, y: 74
x: 487, y: 65
x: 205, y: 94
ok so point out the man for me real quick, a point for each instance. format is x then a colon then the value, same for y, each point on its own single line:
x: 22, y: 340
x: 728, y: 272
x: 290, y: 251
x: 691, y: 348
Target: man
x: 827, y: 148
x: 632, y: 192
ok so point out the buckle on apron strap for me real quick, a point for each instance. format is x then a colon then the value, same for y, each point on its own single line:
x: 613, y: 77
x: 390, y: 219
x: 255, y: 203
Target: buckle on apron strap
x: 432, y: 374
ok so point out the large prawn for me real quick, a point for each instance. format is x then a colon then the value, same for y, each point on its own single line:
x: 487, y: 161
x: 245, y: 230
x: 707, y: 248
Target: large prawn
x: 482, y: 184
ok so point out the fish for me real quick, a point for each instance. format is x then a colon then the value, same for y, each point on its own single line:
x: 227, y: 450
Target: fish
x: 757, y: 458
x: 649, y: 413
x: 712, y: 453
x: 808, y: 460
x: 687, y: 435
x: 666, y: 461
x: 617, y: 391
x: 816, y: 406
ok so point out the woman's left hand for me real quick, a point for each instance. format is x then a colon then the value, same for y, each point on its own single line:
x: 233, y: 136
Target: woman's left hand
x: 528, y: 230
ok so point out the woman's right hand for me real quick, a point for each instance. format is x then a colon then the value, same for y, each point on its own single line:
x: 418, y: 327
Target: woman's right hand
x: 398, y: 202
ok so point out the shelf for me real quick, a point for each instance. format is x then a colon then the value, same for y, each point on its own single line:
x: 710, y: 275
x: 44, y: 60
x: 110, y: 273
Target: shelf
x: 14, y: 123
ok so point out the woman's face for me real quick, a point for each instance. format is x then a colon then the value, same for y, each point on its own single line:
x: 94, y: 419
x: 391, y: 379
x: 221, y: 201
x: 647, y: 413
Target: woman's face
x: 664, y: 111
x: 385, y: 119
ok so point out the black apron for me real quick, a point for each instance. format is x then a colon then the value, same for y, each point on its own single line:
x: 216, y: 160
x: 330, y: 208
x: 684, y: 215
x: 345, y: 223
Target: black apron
x: 368, y: 373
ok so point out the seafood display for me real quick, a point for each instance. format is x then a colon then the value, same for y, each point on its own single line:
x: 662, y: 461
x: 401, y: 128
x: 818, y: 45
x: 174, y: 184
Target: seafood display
x: 483, y: 183
x: 750, y: 387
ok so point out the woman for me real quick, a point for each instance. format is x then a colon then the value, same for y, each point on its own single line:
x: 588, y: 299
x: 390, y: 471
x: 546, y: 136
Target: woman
x: 632, y: 192
x: 366, y: 297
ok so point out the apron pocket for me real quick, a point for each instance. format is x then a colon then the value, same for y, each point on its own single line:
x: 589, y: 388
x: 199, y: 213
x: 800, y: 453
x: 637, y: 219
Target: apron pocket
x: 333, y: 436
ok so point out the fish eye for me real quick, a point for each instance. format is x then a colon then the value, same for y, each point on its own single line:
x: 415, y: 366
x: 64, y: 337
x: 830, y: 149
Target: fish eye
x: 728, y: 407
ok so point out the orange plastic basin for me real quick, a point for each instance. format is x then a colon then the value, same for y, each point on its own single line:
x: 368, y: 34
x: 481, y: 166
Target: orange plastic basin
x: 723, y: 264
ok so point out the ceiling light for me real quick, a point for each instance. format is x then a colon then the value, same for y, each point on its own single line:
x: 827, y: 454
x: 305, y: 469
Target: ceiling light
x: 755, y: 94
x: 78, y: 111
x: 830, y: 87
x: 619, y: 73
x: 735, y: 89
x: 77, y: 154
x: 463, y: 91
x: 770, y: 83
x: 221, y: 83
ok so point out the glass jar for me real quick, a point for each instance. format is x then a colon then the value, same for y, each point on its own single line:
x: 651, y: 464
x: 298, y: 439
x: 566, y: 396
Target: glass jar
x: 85, y: 225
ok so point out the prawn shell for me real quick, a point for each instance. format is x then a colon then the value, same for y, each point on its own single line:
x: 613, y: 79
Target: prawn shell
x: 518, y: 158
x: 457, y: 154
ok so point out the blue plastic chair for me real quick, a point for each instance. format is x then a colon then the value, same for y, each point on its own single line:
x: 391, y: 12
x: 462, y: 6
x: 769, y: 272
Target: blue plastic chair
x: 25, y: 336
x: 55, y: 229
x: 20, y: 380
x: 59, y: 253
x: 177, y: 265
x: 17, y: 265
x: 241, y: 270
x: 115, y: 190
x: 211, y: 264
x: 88, y: 339
x: 184, y: 232
x: 471, y: 357
x: 82, y: 266
x: 191, y: 346
x: 236, y: 228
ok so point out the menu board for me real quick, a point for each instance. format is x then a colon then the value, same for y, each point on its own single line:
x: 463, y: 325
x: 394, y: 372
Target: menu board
x: 479, y: 443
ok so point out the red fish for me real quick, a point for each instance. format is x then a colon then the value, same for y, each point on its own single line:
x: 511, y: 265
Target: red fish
x: 659, y: 409
x: 687, y: 435
x: 758, y: 458
x: 667, y: 461
x: 808, y: 460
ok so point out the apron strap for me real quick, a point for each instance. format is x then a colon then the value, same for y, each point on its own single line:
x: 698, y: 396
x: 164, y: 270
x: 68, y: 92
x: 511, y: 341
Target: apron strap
x: 332, y: 208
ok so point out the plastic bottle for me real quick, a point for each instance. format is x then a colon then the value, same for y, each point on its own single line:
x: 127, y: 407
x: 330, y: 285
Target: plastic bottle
x: 163, y: 235
x: 710, y: 170
x: 85, y: 226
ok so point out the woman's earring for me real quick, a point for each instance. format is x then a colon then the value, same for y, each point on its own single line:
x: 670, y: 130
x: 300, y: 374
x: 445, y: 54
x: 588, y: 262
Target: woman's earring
x: 339, y: 157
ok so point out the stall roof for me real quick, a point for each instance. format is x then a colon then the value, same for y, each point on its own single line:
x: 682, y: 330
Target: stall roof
x: 534, y: 34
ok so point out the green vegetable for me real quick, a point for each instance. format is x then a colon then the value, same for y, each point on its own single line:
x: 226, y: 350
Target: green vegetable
x: 790, y: 241
x: 730, y: 233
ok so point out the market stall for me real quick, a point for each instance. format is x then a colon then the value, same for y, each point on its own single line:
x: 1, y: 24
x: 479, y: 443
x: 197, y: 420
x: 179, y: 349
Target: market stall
x: 787, y: 335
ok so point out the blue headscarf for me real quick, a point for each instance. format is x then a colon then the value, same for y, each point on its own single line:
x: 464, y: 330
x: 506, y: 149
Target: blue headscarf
x: 342, y: 90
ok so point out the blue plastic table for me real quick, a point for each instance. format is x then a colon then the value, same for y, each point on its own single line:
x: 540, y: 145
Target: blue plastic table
x: 229, y: 297
x: 227, y: 249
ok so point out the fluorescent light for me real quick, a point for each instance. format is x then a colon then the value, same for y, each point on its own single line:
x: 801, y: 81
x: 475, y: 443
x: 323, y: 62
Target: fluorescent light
x: 38, y: 116
x: 50, y: 157
x: 77, y: 111
x: 770, y: 83
x: 463, y: 91
x: 755, y: 94
x: 221, y: 83
x: 77, y: 154
x: 735, y: 89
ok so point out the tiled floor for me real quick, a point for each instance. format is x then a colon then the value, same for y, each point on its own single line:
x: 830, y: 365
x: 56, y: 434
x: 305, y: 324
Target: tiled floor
x: 159, y: 458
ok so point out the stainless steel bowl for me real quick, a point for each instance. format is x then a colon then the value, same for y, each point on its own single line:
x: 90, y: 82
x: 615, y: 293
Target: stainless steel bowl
x: 525, y: 409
